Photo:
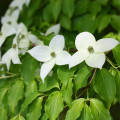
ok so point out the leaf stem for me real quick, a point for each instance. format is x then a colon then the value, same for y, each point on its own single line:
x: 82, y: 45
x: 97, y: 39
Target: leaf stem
x: 111, y: 63
x: 88, y: 86
x: 9, y: 76
x: 93, y: 76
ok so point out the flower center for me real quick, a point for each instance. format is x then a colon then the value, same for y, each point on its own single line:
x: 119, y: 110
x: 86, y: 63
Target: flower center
x: 53, y: 54
x: 9, y: 22
x: 90, y: 49
x: 14, y: 46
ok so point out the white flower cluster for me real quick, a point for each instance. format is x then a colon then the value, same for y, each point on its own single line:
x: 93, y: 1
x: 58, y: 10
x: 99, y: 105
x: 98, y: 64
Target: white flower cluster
x: 89, y: 49
x: 22, y: 38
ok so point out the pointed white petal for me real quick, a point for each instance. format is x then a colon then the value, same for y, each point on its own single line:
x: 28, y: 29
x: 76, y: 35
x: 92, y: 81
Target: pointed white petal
x: 63, y: 58
x: 2, y: 40
x: 105, y: 44
x: 78, y: 57
x: 46, y: 68
x: 57, y: 43
x: 7, y: 57
x: 84, y: 40
x: 54, y: 28
x: 8, y: 64
x: 13, y: 17
x: 8, y: 30
x: 17, y: 3
x: 41, y: 53
x: 96, y: 60
x: 27, y: 2
x: 22, y: 29
x: 34, y: 39
x: 15, y: 58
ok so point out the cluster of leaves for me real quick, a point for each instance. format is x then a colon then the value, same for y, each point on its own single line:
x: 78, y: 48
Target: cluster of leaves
x: 80, y: 93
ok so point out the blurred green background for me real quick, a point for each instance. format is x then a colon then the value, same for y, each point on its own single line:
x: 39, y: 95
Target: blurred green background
x: 3, y: 6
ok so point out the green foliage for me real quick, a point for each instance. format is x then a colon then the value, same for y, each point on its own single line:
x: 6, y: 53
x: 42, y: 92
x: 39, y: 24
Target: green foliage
x: 99, y: 112
x: 3, y: 114
x: 81, y: 77
x: 34, y: 111
x: 28, y: 68
x: 117, y: 80
x: 68, y: 7
x: 48, y: 84
x: 64, y: 73
x: 101, y: 86
x: 66, y: 94
x: 54, y: 105
x: 116, y: 52
x: 56, y: 8
x: 76, y: 106
x: 15, y: 94
x: 29, y: 99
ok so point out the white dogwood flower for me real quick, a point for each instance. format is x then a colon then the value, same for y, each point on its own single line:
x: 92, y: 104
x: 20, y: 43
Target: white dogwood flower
x: 50, y: 55
x: 90, y: 50
x: 6, y: 31
x: 11, y: 55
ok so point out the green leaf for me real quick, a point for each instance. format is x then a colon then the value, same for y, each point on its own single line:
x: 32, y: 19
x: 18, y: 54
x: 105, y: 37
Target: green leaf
x: 86, y: 113
x: 56, y: 8
x: 74, y: 112
x: 54, y: 105
x: 115, y: 22
x: 33, y: 7
x: 85, y: 22
x: 68, y: 7
x: 20, y: 118
x: 49, y: 83
x: 44, y: 117
x: 64, y: 73
x: 81, y: 6
x: 3, y: 92
x: 34, y: 110
x: 103, y: 21
x: 105, y: 86
x: 117, y: 80
x: 65, y: 22
x: 32, y: 87
x: 47, y: 13
x: 103, y: 2
x: 95, y: 7
x: 116, y: 53
x: 98, y: 111
x: 29, y: 99
x: 3, y: 114
x: 15, y: 94
x: 28, y: 69
x: 67, y: 91
x: 116, y: 3
x: 14, y: 118
x: 81, y: 77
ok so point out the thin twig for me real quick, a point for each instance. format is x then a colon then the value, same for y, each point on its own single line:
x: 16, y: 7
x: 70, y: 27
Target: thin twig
x: 9, y: 76
x: 93, y: 76
x: 88, y: 86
